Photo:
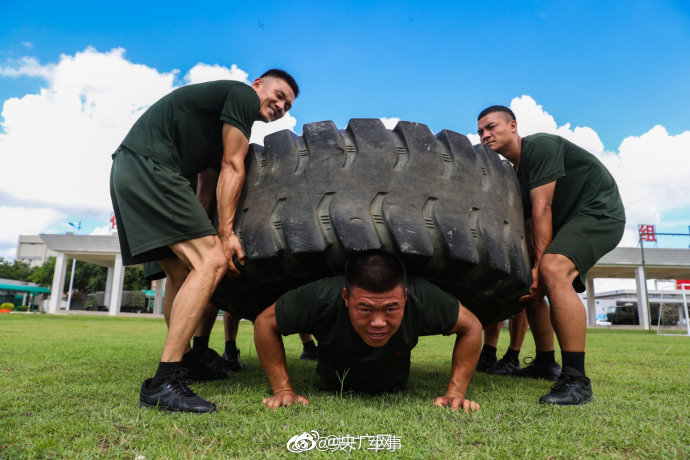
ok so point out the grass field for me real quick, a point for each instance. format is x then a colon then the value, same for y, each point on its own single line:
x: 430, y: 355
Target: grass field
x: 69, y: 388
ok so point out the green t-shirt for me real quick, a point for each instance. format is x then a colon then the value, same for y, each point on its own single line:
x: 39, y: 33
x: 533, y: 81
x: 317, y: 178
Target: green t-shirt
x: 183, y: 130
x: 318, y: 308
x: 583, y: 184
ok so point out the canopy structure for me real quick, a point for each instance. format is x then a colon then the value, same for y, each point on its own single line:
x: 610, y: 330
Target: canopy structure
x: 22, y: 288
x: 640, y: 264
x: 14, y: 288
x: 101, y: 250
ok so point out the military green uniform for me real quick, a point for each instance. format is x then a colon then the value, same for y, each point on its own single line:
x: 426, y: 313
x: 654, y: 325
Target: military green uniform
x: 318, y: 308
x: 588, y: 217
x: 176, y: 138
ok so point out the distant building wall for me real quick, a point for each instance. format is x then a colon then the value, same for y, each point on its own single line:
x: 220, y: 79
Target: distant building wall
x: 32, y: 250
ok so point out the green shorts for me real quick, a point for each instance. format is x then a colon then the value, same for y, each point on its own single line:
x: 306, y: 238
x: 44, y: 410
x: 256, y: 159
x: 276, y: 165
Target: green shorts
x: 585, y: 239
x: 153, y: 271
x: 154, y: 206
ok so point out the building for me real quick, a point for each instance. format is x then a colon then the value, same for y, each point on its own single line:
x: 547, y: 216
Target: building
x: 33, y: 250
x: 21, y: 293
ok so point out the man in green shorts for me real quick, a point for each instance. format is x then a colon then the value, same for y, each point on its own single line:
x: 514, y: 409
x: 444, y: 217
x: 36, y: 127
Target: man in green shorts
x: 202, y: 130
x: 577, y: 217
x: 367, y: 322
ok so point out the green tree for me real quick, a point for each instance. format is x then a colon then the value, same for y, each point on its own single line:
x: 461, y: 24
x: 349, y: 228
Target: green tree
x: 43, y: 275
x: 134, y: 279
x: 15, y: 270
x: 88, y: 277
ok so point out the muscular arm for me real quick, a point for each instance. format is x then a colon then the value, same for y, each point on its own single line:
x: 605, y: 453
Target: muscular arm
x: 271, y: 352
x: 207, y: 181
x: 230, y: 182
x: 468, y: 345
x: 542, y: 231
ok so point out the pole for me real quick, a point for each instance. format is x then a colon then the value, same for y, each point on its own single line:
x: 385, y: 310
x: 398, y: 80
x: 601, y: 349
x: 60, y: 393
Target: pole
x: 646, y: 291
x: 71, y: 283
x: 685, y: 307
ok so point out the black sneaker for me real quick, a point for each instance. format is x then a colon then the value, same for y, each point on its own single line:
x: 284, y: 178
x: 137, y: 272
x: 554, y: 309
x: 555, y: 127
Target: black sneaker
x: 486, y: 362
x: 204, y: 365
x: 311, y: 355
x: 232, y: 360
x: 505, y: 366
x: 173, y: 395
x: 535, y: 370
x: 569, y: 390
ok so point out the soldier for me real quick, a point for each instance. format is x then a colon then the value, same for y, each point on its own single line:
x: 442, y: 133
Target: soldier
x: 202, y: 130
x: 367, y: 322
x: 577, y: 216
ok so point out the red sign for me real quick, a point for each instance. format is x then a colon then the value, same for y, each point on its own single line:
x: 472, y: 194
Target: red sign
x: 647, y: 232
x: 681, y: 283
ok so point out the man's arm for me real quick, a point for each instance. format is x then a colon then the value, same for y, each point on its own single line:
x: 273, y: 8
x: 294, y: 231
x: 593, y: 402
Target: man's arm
x: 468, y: 345
x: 207, y: 182
x: 542, y: 232
x: 230, y: 182
x: 269, y: 348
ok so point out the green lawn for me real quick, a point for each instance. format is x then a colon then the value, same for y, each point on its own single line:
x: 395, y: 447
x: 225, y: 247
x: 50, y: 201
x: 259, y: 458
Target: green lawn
x: 69, y: 388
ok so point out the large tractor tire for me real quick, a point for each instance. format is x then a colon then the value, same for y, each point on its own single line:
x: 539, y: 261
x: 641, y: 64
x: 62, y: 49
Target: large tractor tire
x: 451, y: 211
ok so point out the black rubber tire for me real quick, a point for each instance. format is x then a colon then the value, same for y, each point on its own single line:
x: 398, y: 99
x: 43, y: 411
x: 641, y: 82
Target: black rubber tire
x: 451, y: 211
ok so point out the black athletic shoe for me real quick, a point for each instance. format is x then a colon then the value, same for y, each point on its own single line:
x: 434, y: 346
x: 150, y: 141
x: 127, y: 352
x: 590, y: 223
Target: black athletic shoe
x: 232, y: 360
x: 505, y: 366
x: 311, y: 355
x: 486, y: 362
x: 204, y: 365
x: 569, y: 390
x: 534, y: 370
x: 173, y: 395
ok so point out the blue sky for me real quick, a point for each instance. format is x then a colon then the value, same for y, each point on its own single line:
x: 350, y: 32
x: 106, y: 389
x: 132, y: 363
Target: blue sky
x: 619, y: 68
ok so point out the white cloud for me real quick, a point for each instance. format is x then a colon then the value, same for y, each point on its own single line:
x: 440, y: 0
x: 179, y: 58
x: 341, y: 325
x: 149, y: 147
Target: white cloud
x: 23, y: 221
x: 390, y: 123
x: 532, y: 118
x: 652, y: 170
x: 261, y: 129
x: 26, y: 66
x: 105, y: 230
x: 201, y: 73
x: 60, y: 139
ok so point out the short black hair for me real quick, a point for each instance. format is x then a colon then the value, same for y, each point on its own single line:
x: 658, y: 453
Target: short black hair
x: 496, y: 108
x: 280, y: 73
x: 375, y: 270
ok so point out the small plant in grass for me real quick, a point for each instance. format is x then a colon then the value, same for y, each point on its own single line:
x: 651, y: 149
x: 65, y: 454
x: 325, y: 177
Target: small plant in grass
x: 7, y: 306
x: 22, y: 308
x: 342, y: 380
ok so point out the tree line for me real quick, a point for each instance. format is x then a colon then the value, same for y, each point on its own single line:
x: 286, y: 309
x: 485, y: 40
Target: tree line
x: 87, y: 277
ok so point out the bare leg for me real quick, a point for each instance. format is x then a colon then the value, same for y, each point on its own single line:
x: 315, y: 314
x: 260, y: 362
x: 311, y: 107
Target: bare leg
x: 205, y: 259
x: 207, y: 321
x: 538, y: 313
x: 518, y: 328
x: 568, y: 314
x: 491, y: 333
x: 231, y: 324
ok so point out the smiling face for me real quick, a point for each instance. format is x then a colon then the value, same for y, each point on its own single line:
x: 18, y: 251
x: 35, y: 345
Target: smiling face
x: 276, y: 97
x: 375, y: 316
x: 497, y: 131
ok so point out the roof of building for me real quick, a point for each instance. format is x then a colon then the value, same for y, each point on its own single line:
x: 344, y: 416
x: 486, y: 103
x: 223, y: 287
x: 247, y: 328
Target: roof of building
x: 24, y: 288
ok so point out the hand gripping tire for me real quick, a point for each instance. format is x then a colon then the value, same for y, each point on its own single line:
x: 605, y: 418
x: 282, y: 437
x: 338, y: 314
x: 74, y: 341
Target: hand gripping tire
x: 450, y: 211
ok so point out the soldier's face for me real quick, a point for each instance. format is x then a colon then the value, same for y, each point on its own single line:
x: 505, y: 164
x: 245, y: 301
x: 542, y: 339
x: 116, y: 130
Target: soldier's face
x: 275, y: 95
x: 496, y: 130
x: 375, y: 316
